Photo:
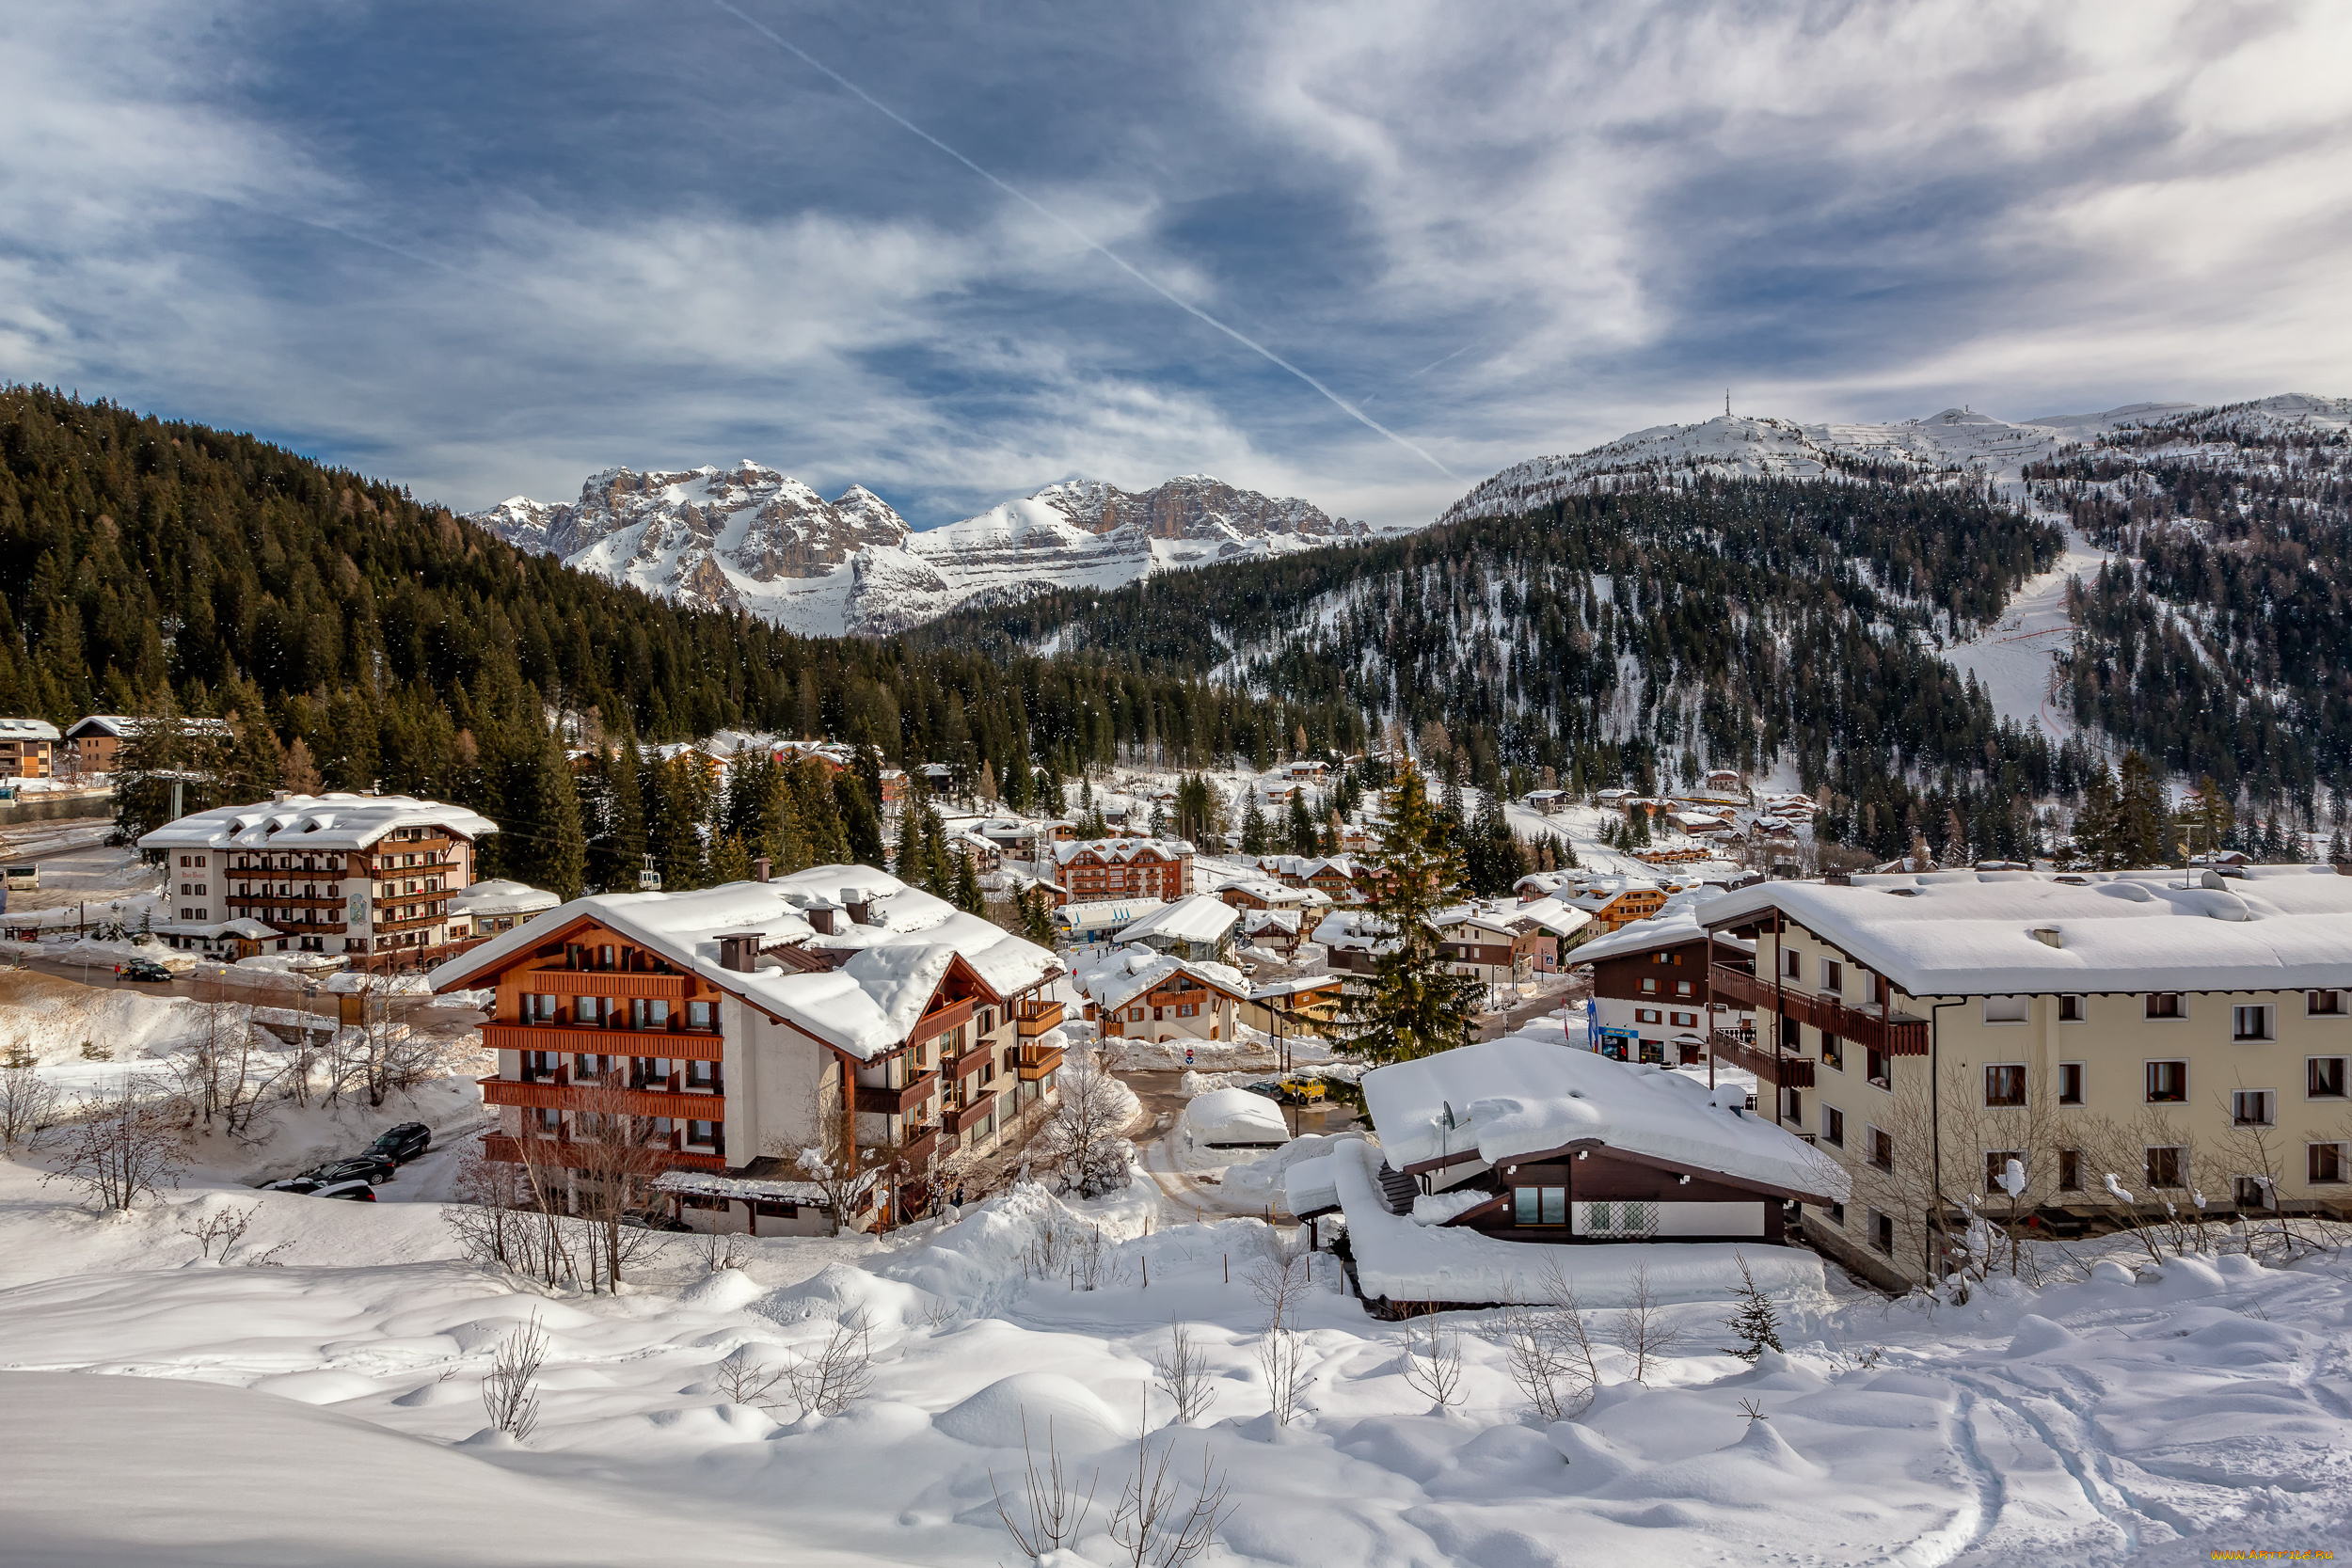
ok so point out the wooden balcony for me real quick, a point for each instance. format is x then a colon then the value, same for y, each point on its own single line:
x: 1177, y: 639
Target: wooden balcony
x: 969, y: 1115
x: 971, y: 1061
x: 1787, y: 1072
x: 918, y: 1150
x: 592, y: 1097
x: 940, y: 1021
x: 1034, y: 1018
x: 897, y: 1102
x: 600, y: 982
x: 1897, y: 1036
x: 498, y: 1146
x: 684, y: 1045
x: 1037, y: 1063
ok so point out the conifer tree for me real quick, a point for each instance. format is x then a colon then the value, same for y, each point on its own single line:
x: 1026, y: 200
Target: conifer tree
x: 1412, y: 1005
x: 1253, y: 827
x: 1754, y: 1320
x: 968, y: 894
x: 1302, y: 827
x: 1037, y: 917
x: 730, y: 862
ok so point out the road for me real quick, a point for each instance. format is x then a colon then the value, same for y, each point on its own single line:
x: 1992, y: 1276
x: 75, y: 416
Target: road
x: 1493, y: 1026
x: 1186, y: 1197
x: 209, y: 982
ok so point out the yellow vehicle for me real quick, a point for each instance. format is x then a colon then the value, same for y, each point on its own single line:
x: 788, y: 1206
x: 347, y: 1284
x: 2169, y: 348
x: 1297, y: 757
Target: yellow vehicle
x: 1299, y: 1091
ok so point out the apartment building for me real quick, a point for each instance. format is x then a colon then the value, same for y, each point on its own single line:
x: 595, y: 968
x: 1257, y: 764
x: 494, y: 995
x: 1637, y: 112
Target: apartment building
x: 1088, y: 871
x: 1494, y: 943
x: 726, y: 1029
x: 28, y: 748
x: 2192, y: 1042
x: 361, y: 874
x: 1135, y: 993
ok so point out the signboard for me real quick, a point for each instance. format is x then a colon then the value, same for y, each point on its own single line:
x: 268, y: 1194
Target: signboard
x: 1616, y: 1044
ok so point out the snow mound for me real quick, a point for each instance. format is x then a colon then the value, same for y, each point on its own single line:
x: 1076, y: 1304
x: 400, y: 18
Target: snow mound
x: 724, y: 1291
x: 2037, y: 1334
x: 996, y: 1417
x: 1271, y: 1171
x: 1235, y: 1116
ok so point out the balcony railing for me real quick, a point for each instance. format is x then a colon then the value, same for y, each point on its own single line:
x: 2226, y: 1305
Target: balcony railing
x: 971, y: 1061
x: 601, y: 982
x: 1898, y: 1036
x: 680, y: 1105
x: 1036, y: 1018
x: 883, y: 1100
x: 968, y: 1116
x: 678, y: 1043
x: 556, y: 1151
x: 1787, y: 1072
x: 1036, y: 1063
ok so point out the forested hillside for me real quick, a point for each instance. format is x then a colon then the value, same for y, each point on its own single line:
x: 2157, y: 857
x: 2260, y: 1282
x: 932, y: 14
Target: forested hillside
x: 1638, y: 636
x: 2220, y: 638
x: 357, y: 636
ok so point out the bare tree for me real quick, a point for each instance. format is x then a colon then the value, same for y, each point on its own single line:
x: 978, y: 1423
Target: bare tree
x: 613, y: 1160
x: 1642, y: 1331
x: 1154, y: 1524
x: 1278, y: 1278
x: 1282, y: 1360
x: 829, y: 1381
x: 1182, y: 1372
x: 27, y: 1101
x: 228, y: 1069
x: 744, y: 1380
x: 1084, y: 1140
x: 124, y: 1143
x: 1054, y: 1512
x: 1547, y: 1347
x: 384, y: 1051
x: 511, y: 1394
x: 223, y: 1227
x: 1433, y: 1357
x: 843, y: 1174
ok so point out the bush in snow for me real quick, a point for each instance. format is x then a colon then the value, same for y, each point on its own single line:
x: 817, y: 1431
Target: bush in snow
x: 1549, y: 1350
x: 26, y: 1100
x: 124, y: 1143
x: 510, y: 1395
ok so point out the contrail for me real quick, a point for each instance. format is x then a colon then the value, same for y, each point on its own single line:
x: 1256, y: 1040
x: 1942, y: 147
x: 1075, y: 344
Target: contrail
x: 1080, y: 235
x: 1435, y: 363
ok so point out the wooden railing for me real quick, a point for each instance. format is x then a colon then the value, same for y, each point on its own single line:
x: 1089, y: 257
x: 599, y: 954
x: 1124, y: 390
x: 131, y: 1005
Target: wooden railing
x: 498, y: 1146
x: 879, y: 1100
x: 1898, y: 1037
x: 601, y: 982
x: 688, y: 1045
x: 971, y: 1061
x: 595, y: 1097
x: 968, y: 1116
x: 1034, y: 1018
x: 1037, y: 1063
x: 1787, y: 1072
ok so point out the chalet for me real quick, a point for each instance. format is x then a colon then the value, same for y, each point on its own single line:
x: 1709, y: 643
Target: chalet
x: 1280, y: 933
x: 1615, y: 901
x: 720, y: 1031
x: 1309, y: 1006
x: 1135, y: 993
x: 983, y: 854
x: 1486, y: 942
x: 1549, y: 802
x: 27, y: 748
x: 1336, y: 877
x: 1094, y: 869
x: 1565, y: 926
x: 485, y: 909
x: 1354, y: 940
x: 1650, y: 999
x: 1200, y: 928
x: 1926, y: 1028
x: 1724, y: 781
x: 361, y: 873
x: 1254, y: 893
x: 1518, y: 1142
x: 91, y: 743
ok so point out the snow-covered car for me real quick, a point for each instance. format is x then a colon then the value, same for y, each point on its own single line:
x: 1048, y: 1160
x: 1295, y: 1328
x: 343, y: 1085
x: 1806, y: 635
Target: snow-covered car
x: 403, y: 1143
x: 357, y: 1189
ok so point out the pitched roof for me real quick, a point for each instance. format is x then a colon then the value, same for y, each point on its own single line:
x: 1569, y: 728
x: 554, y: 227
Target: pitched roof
x: 331, y: 821
x: 1121, y: 977
x: 1198, y: 917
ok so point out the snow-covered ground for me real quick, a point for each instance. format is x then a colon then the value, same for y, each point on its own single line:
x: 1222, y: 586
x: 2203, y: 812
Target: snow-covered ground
x: 2013, y: 657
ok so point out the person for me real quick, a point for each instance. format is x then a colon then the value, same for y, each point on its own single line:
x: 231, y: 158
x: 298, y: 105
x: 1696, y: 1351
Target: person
x: 959, y: 1195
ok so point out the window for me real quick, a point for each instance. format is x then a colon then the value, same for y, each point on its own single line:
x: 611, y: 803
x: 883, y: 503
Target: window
x: 2166, y: 1167
x: 1874, y: 1064
x: 1683, y: 1021
x: 1646, y: 1015
x: 705, y: 1132
x: 698, y: 1015
x: 1135, y: 1014
x: 2166, y: 1004
x: 2323, y: 1004
x: 2251, y: 1192
x: 2070, y: 1083
x: 2252, y: 1107
x: 2168, y: 1082
x: 1792, y: 965
x: 1649, y: 986
x: 2324, y: 1078
x: 1882, y: 1149
x: 2008, y: 1009
x: 1833, y: 1052
x: 2005, y: 1084
x: 1833, y: 975
x: 1833, y: 1128
x: 702, y: 1075
x: 1837, y: 1212
x: 2328, y: 1162
x: 2070, y: 1170
x: 1874, y: 989
x: 2073, y: 1009
x: 1882, y: 1233
x: 1682, y: 988
x: 1539, y: 1204
x: 551, y: 1122
x: 1997, y: 1171
x: 2250, y: 1022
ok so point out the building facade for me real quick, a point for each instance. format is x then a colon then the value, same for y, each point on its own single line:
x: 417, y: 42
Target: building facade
x: 1092, y: 870
x: 28, y: 748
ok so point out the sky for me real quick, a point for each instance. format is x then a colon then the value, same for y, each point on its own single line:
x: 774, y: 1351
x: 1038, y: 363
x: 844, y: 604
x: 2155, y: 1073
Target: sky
x: 1366, y: 254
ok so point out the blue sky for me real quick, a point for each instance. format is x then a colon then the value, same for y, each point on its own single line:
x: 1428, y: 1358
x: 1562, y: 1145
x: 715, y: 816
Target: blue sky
x: 483, y: 250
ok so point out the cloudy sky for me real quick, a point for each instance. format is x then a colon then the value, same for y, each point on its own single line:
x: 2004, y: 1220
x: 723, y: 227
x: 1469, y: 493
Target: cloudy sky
x: 1363, y: 253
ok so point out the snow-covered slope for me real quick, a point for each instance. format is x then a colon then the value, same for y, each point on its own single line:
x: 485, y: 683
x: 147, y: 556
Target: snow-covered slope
x: 750, y: 538
x: 1737, y: 447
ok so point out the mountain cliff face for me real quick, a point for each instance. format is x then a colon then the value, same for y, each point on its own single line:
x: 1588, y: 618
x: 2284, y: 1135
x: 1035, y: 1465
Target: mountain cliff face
x: 750, y: 538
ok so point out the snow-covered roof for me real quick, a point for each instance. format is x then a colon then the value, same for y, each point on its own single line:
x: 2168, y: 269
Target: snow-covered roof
x: 27, y: 729
x: 1355, y: 930
x: 1235, y: 1116
x: 1678, y: 922
x: 1117, y: 978
x: 1519, y: 1096
x: 866, y: 1006
x: 1117, y: 851
x: 1199, y: 917
x: 748, y: 1189
x: 498, y: 896
x: 123, y: 725
x: 1554, y: 916
x: 1970, y: 933
x: 332, y: 821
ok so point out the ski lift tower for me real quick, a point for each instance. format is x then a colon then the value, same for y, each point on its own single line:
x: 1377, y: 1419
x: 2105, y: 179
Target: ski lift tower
x: 648, y: 879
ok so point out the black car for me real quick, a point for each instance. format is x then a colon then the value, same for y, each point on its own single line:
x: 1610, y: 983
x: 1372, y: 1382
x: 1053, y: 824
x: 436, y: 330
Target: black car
x: 402, y: 1143
x: 353, y: 1190
x: 147, y: 971
x: 359, y: 1167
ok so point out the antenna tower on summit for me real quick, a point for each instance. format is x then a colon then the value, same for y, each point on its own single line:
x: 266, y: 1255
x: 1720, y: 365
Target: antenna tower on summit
x: 1727, y: 403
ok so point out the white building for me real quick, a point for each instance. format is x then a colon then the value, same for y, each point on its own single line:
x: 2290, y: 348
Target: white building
x: 367, y: 874
x: 488, y: 908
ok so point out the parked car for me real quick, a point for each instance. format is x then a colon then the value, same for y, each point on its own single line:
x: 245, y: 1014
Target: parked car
x: 359, y: 1167
x: 403, y: 1143
x: 144, y: 971
x: 352, y: 1189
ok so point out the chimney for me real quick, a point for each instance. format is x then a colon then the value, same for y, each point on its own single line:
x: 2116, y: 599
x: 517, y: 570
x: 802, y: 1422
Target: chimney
x: 759, y: 869
x: 853, y: 899
x: 738, y: 950
x: 820, y: 917
x: 2048, y: 936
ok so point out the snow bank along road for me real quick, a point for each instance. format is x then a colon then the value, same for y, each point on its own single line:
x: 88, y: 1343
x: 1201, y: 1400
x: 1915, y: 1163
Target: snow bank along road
x: 155, y: 1408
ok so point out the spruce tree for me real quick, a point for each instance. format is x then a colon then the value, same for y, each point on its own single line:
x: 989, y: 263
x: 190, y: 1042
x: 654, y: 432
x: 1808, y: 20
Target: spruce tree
x: 1253, y: 826
x: 968, y: 894
x: 1412, y: 1005
x: 1754, y: 1320
x: 2139, y: 815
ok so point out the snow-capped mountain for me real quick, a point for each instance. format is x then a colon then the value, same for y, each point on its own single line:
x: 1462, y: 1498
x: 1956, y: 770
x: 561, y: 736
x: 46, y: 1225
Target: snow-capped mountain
x: 1739, y: 447
x: 754, y: 539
